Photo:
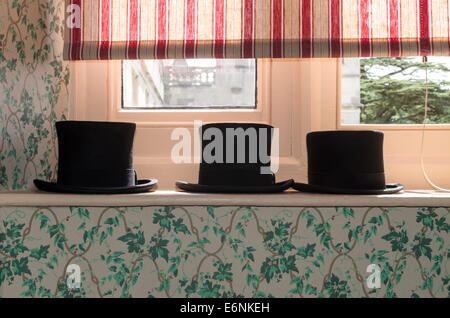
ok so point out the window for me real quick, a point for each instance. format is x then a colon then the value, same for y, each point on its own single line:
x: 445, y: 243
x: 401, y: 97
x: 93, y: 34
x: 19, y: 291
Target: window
x: 392, y: 91
x: 296, y: 95
x: 388, y: 94
x: 199, y: 83
x: 246, y: 90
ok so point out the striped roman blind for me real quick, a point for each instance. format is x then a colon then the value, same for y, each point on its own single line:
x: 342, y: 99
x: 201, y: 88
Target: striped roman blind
x: 160, y: 29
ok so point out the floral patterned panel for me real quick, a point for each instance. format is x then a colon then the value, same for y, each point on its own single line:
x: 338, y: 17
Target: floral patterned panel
x: 33, y: 89
x: 224, y: 251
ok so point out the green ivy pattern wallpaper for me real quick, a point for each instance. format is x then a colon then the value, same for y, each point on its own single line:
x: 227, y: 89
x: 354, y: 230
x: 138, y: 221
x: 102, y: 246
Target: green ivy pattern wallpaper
x: 224, y: 251
x: 33, y: 89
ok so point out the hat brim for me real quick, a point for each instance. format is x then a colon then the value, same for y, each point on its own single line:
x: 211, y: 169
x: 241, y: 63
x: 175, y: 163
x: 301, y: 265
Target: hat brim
x: 202, y: 188
x: 389, y: 189
x: 143, y: 185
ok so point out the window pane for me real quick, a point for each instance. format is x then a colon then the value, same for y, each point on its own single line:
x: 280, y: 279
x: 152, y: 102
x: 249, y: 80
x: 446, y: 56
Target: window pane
x: 392, y: 90
x: 199, y: 83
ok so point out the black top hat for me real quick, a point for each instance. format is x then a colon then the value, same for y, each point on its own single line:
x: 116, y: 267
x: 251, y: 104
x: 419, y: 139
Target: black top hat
x: 236, y: 160
x: 346, y: 162
x: 96, y: 157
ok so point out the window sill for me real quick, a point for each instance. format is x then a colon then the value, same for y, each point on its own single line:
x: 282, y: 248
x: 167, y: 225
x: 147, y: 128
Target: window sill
x: 416, y: 198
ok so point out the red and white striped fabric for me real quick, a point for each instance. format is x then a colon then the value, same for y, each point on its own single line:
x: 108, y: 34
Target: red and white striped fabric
x: 159, y: 29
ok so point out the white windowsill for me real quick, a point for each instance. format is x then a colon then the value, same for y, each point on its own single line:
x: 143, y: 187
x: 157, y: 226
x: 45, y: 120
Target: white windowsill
x: 416, y: 198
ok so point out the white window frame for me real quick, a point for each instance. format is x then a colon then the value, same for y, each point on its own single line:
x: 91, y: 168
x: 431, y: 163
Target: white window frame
x: 298, y: 96
x: 95, y: 95
x: 183, y: 117
x: 402, y: 144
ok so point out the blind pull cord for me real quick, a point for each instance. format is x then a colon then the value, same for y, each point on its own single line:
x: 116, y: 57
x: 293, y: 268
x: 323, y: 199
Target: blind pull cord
x: 425, y: 60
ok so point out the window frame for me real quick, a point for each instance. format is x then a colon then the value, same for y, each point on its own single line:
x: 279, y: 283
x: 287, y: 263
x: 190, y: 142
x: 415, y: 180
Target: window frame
x: 185, y: 117
x: 298, y: 95
x: 402, y: 142
x: 401, y: 127
x: 194, y: 108
x: 95, y: 95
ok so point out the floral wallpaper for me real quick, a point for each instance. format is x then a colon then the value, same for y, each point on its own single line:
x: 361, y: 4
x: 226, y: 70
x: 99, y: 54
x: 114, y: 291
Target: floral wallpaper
x: 175, y: 251
x: 33, y: 89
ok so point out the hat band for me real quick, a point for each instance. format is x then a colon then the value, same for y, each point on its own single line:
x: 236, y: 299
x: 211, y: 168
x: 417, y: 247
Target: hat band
x: 348, y: 180
x: 98, y: 178
x: 225, y: 175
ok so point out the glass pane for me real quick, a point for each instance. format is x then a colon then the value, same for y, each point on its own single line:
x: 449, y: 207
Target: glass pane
x: 392, y: 90
x: 199, y: 83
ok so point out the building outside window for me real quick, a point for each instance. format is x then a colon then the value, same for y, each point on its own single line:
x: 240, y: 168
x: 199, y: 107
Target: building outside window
x: 202, y: 83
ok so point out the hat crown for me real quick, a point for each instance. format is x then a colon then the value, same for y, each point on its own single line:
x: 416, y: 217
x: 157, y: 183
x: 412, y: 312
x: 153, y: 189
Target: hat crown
x: 95, y: 154
x: 346, y: 159
x: 240, y: 143
x: 233, y: 154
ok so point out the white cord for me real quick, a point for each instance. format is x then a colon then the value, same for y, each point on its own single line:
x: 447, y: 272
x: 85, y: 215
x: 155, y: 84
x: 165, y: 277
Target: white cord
x: 425, y: 60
